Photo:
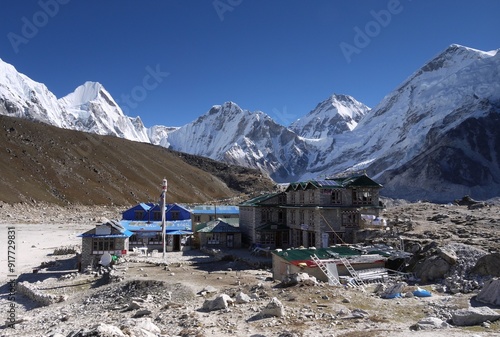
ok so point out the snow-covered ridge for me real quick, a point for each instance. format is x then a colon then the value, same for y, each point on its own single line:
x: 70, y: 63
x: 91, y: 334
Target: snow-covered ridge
x: 458, y: 86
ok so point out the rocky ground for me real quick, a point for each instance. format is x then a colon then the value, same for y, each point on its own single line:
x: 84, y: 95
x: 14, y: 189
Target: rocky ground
x: 197, y: 293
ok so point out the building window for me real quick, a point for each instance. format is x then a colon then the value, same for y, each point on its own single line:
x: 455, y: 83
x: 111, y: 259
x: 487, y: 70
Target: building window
x: 285, y: 238
x: 267, y: 238
x: 301, y: 197
x: 103, y: 245
x: 312, y: 218
x: 297, y: 237
x: 157, y: 216
x: 134, y: 240
x: 280, y: 216
x: 362, y: 197
x: 301, y: 217
x: 312, y: 197
x: 197, y: 218
x: 350, y: 219
x: 311, y: 239
x: 213, y: 238
x: 156, y: 240
x: 336, y: 197
x: 292, y: 217
x: 176, y: 215
x: 267, y: 215
x: 292, y: 197
x: 139, y: 215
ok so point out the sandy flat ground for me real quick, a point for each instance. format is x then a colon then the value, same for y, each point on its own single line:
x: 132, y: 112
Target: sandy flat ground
x: 35, y: 243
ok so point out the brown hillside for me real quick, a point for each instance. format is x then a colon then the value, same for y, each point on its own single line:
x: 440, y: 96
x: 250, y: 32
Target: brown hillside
x: 47, y: 164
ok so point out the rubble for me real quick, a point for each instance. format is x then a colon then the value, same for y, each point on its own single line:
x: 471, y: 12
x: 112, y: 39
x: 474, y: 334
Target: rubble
x: 167, y: 297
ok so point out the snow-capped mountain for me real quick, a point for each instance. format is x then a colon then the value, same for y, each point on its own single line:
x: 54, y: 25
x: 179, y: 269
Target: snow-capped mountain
x: 434, y: 136
x: 236, y: 136
x: 335, y: 115
x: 89, y: 108
x: 22, y: 97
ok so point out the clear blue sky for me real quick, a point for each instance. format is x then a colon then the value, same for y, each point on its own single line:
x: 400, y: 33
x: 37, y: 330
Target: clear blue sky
x: 175, y: 59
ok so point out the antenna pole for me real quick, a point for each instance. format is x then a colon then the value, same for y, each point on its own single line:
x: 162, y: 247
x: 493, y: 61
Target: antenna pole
x: 163, y: 215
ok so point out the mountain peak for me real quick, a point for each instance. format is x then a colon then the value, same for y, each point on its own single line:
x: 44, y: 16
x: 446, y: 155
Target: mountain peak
x: 85, y: 93
x: 335, y: 115
x: 453, y: 56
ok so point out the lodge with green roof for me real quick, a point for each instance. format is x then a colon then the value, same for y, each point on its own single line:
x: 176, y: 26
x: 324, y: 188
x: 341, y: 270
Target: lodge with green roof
x: 313, y: 213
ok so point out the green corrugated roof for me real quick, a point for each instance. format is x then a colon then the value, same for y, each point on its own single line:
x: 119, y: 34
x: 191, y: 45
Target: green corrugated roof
x: 219, y: 226
x: 335, y: 183
x: 257, y: 200
x: 357, y: 180
x: 322, y: 253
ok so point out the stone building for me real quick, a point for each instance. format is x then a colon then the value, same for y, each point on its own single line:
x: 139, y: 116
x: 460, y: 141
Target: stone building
x: 108, y: 237
x: 314, y: 213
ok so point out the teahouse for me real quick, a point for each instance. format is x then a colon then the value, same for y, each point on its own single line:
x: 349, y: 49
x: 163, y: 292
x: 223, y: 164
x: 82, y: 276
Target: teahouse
x: 109, y: 237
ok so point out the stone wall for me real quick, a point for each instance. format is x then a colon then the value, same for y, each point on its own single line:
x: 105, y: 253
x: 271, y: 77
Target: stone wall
x: 33, y: 293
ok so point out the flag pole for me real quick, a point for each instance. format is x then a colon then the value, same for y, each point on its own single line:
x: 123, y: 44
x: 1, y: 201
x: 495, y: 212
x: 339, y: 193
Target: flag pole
x: 163, y: 214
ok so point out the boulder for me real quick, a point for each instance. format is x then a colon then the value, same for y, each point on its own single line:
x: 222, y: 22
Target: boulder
x: 448, y: 255
x: 432, y: 268
x: 429, y: 323
x: 393, y: 291
x: 134, y: 305
x: 207, y: 290
x: 302, y: 278
x: 474, y: 316
x: 142, y: 327
x: 242, y: 298
x: 488, y: 265
x: 100, y: 330
x: 220, y: 302
x: 490, y: 293
x: 273, y: 308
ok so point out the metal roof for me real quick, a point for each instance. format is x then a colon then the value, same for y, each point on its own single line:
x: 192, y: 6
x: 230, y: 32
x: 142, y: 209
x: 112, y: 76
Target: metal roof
x: 333, y: 183
x: 115, y: 225
x: 257, y: 200
x: 124, y: 235
x: 219, y: 226
x: 334, y: 252
x: 213, y: 209
x: 179, y: 232
x: 136, y: 225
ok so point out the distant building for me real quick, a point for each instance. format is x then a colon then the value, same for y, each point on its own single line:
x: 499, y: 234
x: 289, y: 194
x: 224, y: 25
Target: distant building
x: 144, y: 220
x: 206, y: 213
x: 314, y: 213
x: 264, y: 219
x: 110, y: 237
x: 152, y: 212
x: 220, y: 233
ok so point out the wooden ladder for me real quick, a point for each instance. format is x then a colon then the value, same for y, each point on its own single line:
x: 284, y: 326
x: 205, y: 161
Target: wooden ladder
x: 332, y: 280
x: 357, y: 280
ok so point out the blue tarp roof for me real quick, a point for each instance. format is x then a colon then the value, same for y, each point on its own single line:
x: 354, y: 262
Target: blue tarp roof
x: 156, y: 226
x: 125, y: 234
x: 177, y: 232
x: 212, y: 209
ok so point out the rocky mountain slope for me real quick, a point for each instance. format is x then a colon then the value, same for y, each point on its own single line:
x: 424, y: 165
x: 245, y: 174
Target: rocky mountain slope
x: 434, y: 136
x: 48, y: 164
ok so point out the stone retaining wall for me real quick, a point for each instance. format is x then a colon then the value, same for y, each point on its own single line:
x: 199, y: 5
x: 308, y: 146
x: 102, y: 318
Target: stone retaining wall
x: 33, y: 293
